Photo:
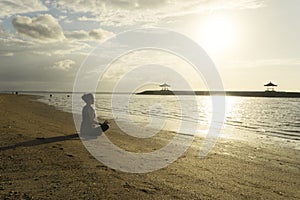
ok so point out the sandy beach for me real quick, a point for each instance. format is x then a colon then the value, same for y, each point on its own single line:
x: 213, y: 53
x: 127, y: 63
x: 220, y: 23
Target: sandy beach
x: 42, y: 158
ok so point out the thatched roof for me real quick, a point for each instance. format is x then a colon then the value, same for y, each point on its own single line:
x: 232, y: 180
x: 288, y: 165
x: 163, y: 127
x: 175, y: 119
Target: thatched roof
x: 164, y: 85
x: 270, y: 85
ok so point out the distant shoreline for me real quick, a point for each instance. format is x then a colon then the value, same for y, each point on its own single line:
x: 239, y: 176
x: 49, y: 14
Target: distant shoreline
x: 222, y: 93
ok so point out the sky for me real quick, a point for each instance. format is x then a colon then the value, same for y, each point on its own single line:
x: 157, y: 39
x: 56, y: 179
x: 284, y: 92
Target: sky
x: 44, y: 43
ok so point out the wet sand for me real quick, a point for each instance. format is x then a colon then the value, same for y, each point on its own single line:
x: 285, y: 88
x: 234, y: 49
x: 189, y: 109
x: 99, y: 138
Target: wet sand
x: 42, y: 158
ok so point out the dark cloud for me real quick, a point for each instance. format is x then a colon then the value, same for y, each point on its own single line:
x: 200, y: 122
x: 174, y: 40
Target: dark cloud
x: 43, y: 28
x: 95, y: 34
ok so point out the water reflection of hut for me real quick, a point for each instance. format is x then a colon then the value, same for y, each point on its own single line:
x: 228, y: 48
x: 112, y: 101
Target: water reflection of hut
x: 270, y: 86
x: 164, y: 86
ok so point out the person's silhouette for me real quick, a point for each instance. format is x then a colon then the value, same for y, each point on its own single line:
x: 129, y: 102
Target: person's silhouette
x: 89, y: 126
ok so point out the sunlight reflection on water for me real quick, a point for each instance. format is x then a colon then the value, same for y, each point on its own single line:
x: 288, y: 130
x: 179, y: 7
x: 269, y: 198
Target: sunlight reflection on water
x: 279, y: 117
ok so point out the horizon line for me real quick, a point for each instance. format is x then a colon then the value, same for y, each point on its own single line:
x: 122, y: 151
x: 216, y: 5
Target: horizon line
x: 127, y: 92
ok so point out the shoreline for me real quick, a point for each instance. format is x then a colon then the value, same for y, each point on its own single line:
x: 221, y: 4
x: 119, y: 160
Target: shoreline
x: 41, y: 159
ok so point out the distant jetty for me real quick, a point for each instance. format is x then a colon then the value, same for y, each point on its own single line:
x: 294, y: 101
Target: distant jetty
x: 270, y: 92
x: 227, y: 93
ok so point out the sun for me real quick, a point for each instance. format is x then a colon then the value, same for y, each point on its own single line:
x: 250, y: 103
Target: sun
x: 217, y: 34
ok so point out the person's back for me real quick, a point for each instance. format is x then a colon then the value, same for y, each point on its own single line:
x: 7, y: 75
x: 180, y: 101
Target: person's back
x: 87, y: 123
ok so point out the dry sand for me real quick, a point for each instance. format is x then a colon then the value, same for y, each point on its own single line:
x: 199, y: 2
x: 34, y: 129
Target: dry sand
x: 41, y: 158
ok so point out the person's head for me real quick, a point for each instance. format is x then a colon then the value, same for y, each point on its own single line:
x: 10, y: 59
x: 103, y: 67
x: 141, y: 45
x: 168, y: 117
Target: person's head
x: 88, y: 98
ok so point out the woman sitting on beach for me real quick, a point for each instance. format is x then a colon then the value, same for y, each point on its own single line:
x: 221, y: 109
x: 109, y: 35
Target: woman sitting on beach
x: 89, y: 126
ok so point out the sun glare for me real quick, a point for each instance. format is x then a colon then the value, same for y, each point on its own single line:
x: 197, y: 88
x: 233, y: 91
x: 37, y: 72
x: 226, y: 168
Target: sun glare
x: 217, y: 34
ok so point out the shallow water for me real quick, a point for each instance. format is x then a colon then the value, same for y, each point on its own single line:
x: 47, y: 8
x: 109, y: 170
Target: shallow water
x: 276, y: 117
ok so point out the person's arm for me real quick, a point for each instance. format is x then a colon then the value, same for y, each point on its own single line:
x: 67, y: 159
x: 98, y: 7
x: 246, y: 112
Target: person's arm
x: 105, y: 122
x: 92, y: 116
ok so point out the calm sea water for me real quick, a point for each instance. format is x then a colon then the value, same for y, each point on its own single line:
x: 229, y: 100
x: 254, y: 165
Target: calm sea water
x: 274, y: 117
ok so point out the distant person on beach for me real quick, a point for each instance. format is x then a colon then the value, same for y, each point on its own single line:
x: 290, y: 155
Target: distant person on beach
x: 89, y: 126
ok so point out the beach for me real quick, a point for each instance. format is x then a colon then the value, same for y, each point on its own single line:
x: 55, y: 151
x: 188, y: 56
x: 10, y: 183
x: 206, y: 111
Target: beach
x: 42, y: 158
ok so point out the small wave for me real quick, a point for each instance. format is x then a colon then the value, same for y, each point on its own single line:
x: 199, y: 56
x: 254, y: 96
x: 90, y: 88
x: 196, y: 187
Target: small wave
x: 284, y: 134
x: 291, y: 131
x: 234, y: 121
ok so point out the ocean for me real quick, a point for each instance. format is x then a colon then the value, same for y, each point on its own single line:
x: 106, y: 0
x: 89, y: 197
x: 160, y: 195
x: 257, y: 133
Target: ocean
x: 277, y: 118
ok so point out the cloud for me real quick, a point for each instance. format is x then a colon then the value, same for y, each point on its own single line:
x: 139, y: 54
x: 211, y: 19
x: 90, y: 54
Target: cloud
x: 233, y: 4
x: 65, y: 65
x: 86, y: 19
x: 43, y: 28
x: 11, y: 44
x: 16, y: 46
x: 95, y: 34
x: 7, y: 54
x: 36, y: 72
x: 132, y: 12
x: 13, y: 7
x: 99, y: 34
x: 77, y: 35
